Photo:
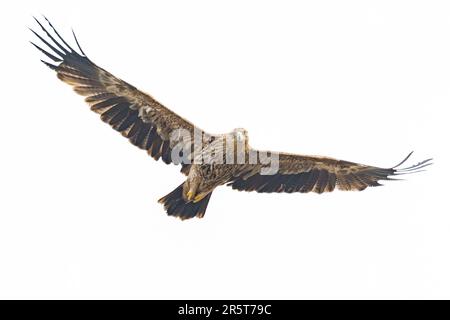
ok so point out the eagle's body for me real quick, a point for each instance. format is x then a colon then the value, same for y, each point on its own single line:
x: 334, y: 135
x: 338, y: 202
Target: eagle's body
x: 210, y: 161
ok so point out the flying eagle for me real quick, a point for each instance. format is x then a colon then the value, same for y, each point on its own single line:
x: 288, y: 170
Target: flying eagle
x: 208, y: 162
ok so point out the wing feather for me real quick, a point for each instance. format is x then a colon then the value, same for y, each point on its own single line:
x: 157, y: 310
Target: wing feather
x: 138, y: 116
x: 304, y: 174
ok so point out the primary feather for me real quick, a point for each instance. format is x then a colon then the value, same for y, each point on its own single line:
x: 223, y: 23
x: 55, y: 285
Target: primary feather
x: 137, y: 115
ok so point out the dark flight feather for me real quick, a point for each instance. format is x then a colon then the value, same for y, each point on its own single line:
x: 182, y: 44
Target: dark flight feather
x: 320, y: 174
x: 118, y: 103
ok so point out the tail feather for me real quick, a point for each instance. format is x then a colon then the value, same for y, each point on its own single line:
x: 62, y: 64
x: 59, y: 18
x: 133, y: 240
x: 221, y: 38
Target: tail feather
x: 177, y: 206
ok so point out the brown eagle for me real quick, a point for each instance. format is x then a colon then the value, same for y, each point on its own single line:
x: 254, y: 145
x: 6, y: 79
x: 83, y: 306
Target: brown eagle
x: 207, y: 160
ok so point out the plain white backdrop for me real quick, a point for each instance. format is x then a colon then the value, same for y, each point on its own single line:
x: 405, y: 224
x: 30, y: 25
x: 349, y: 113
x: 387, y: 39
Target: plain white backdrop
x: 364, y: 81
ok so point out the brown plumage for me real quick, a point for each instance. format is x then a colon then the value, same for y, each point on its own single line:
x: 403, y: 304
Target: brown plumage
x: 149, y: 125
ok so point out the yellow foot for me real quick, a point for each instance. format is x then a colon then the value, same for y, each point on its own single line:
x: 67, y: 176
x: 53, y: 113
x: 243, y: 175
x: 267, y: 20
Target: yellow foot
x: 190, y: 195
x: 199, y: 197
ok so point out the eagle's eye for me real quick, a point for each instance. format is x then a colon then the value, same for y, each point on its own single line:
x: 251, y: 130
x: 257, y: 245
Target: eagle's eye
x: 240, y: 135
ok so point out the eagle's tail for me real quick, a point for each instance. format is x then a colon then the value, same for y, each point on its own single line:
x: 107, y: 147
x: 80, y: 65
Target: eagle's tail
x: 177, y: 206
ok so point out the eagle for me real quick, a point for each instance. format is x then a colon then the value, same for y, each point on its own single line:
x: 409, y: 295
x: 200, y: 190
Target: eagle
x: 207, y: 160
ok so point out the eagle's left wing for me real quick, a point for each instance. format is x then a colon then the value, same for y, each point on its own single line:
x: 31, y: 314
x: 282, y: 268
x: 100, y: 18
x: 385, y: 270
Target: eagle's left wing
x: 297, y: 173
x: 139, y: 117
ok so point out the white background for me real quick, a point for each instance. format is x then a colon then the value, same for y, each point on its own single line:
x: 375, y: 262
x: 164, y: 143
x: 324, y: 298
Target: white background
x: 364, y: 81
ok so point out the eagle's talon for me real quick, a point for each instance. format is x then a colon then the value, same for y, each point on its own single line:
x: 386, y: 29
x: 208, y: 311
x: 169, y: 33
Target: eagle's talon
x: 199, y: 197
x: 190, y: 195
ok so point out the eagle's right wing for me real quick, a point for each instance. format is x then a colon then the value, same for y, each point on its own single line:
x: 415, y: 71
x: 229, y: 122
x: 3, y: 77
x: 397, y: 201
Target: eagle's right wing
x: 299, y: 173
x: 138, y: 116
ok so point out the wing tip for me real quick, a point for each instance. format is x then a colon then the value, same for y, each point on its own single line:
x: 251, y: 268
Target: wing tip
x: 51, y: 66
x: 58, y: 49
x: 78, y: 44
x: 403, y: 161
x: 415, y: 168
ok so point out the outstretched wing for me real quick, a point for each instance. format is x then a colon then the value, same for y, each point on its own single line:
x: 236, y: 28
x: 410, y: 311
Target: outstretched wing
x: 139, y: 117
x: 298, y: 173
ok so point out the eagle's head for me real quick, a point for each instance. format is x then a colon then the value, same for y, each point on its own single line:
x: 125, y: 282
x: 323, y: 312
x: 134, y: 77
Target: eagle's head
x: 241, y: 135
